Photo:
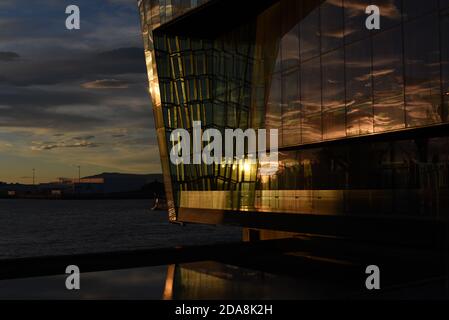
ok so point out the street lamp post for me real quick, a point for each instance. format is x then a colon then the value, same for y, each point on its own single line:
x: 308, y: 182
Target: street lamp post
x: 79, y: 179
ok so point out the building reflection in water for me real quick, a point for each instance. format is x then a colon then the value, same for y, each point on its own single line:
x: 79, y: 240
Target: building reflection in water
x: 211, y: 280
x: 214, y: 280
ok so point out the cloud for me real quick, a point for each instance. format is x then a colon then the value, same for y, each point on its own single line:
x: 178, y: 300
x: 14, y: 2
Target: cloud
x: 42, y: 146
x: 125, y: 2
x: 123, y: 54
x: 106, y: 84
x: 73, y: 109
x: 8, y: 56
x: 48, y: 115
x: 6, y: 3
x: 104, y: 65
x: 39, y: 108
x: 40, y: 98
x: 5, y: 145
x: 84, y: 138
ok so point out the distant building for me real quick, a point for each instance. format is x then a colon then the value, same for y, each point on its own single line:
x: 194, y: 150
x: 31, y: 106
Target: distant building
x: 56, y: 192
x: 120, y: 182
x: 15, y: 189
x: 102, y: 184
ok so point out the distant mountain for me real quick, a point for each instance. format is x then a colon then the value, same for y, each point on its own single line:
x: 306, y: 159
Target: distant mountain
x: 125, y: 182
x: 152, y: 176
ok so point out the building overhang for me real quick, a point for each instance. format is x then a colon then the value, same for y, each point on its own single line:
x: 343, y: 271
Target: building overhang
x: 214, y: 18
x: 420, y: 232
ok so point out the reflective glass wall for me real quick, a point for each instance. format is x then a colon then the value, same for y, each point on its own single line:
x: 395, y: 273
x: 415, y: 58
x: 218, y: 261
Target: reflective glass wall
x: 209, y: 81
x: 153, y: 13
x: 334, y: 78
x: 312, y: 70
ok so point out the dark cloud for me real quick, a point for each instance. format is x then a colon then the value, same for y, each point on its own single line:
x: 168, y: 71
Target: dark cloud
x: 48, y: 120
x: 39, y: 98
x: 37, y: 108
x: 8, y: 56
x: 122, y: 54
x: 142, y: 140
x: 45, y: 70
x: 108, y: 64
x: 124, y: 2
x: 42, y: 146
x: 72, y: 110
x: 84, y: 138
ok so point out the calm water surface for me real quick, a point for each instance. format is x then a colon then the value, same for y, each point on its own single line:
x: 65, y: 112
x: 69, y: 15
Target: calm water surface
x: 58, y: 227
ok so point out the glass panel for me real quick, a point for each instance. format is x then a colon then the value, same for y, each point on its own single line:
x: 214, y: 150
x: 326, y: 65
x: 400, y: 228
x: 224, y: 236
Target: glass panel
x: 359, y: 88
x: 388, y: 88
x: 180, y: 6
x: 291, y: 108
x: 272, y: 30
x: 311, y: 101
x: 188, y: 65
x: 309, y: 35
x: 219, y: 114
x: 273, y: 113
x: 155, y: 13
x: 290, y: 33
x: 334, y: 124
x: 359, y: 120
x: 355, y: 18
x: 278, y: 60
x: 290, y: 48
x: 390, y: 11
x: 200, y: 62
x: 311, y: 128
x: 416, y: 8
x: 445, y: 61
x: 311, y: 86
x: 333, y: 80
x: 163, y: 65
x: 331, y: 25
x: 422, y: 71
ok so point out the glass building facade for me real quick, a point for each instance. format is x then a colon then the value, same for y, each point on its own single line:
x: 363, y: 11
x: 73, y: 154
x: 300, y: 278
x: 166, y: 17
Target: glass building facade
x: 362, y: 114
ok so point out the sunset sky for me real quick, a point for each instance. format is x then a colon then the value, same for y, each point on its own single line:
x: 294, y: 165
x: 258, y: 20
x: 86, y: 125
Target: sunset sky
x: 73, y: 97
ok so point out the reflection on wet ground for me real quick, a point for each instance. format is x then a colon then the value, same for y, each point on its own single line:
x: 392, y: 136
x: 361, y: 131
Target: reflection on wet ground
x: 215, y: 280
x: 212, y: 280
x: 138, y: 283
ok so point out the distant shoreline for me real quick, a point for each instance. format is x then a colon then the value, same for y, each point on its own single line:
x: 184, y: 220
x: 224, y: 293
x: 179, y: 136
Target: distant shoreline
x: 79, y: 197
